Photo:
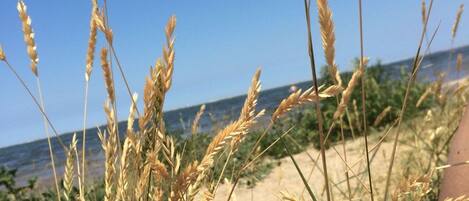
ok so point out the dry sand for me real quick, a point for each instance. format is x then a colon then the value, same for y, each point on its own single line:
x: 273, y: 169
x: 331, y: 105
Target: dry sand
x: 285, y: 178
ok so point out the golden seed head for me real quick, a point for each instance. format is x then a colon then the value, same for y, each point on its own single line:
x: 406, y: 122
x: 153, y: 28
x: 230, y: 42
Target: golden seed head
x: 299, y: 97
x: 424, y: 12
x: 328, y: 39
x: 247, y: 112
x: 168, y: 52
x: 454, y: 29
x: 459, y: 62
x: 423, y: 96
x: 347, y: 93
x: 131, y: 118
x: 170, y: 26
x: 95, y: 4
x: 381, y: 116
x: 28, y: 35
x: 107, y: 75
x: 195, y: 123
x: 91, y: 49
x: 100, y: 20
x: 2, y: 54
x: 69, y: 168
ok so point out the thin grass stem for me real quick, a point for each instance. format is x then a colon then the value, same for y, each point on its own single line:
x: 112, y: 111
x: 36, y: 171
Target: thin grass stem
x: 363, y: 90
x: 303, y: 179
x: 318, y: 103
x: 412, y: 76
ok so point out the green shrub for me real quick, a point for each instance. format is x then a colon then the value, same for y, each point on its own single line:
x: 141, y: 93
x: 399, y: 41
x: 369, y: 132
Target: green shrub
x: 10, y: 191
x: 382, y: 90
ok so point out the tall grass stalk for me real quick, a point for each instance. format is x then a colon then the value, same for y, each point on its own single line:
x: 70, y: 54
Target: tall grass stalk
x: 89, y: 68
x: 106, y: 29
x: 43, y: 113
x: 121, y: 70
x: 412, y: 76
x: 454, y: 30
x: 46, y: 130
x: 81, y: 193
x: 83, y: 148
x: 328, y: 43
x: 109, y: 38
x: 220, y: 177
x: 344, y: 151
x: 363, y: 90
x: 307, y: 5
x: 303, y: 179
x: 29, y: 40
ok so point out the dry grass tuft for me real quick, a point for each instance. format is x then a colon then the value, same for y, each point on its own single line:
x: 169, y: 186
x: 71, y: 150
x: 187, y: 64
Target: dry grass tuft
x: 208, y: 196
x: 414, y: 188
x: 232, y: 135
x: 183, y: 182
x: 148, y: 166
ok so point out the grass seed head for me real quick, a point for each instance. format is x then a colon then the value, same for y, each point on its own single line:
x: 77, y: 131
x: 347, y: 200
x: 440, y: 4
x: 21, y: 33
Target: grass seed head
x: 459, y: 62
x: 91, y: 49
x: 381, y: 116
x: 299, y: 98
x: 454, y: 29
x: 28, y: 35
x: 107, y: 75
x: 328, y: 39
x: 2, y: 54
x: 424, y: 12
x: 69, y: 168
x: 195, y: 123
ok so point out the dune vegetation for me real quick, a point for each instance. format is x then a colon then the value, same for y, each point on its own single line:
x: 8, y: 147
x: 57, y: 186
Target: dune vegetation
x: 360, y: 111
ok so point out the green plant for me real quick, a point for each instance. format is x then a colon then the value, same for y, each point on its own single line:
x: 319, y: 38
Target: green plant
x: 9, y: 189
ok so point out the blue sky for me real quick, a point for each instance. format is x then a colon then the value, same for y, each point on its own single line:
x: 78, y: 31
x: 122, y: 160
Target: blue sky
x: 219, y: 44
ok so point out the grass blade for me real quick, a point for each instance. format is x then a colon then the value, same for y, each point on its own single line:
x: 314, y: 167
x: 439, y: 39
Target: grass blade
x: 311, y: 194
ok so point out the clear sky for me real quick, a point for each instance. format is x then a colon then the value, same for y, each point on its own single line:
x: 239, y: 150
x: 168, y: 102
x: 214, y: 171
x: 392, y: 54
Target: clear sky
x: 219, y: 44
